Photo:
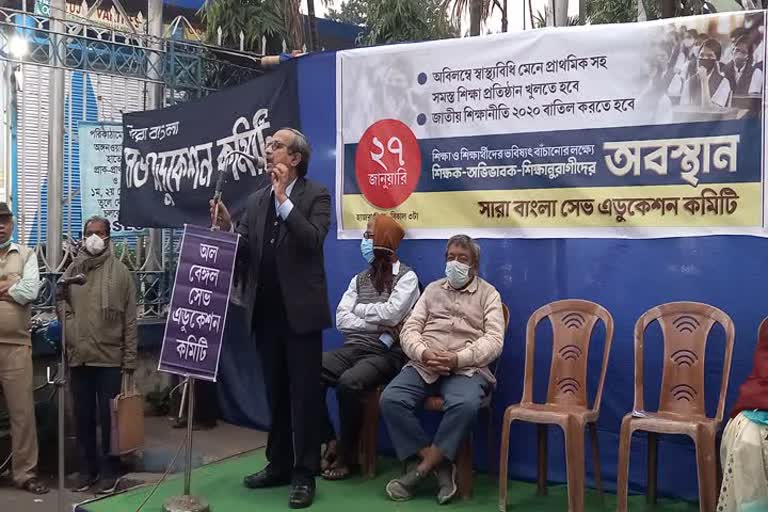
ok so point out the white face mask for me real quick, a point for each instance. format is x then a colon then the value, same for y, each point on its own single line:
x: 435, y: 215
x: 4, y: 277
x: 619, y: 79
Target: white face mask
x: 457, y: 274
x: 95, y: 245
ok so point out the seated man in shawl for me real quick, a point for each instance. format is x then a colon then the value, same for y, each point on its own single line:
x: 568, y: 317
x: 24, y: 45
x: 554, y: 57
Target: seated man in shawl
x: 744, y: 449
x: 455, y: 332
x: 369, y: 315
x: 100, y: 320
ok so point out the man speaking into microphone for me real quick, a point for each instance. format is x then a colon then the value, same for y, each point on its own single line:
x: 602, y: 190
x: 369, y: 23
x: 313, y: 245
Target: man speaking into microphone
x: 281, y: 260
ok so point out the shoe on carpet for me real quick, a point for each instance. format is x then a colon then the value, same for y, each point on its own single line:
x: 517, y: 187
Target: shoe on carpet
x: 403, y: 488
x: 446, y: 482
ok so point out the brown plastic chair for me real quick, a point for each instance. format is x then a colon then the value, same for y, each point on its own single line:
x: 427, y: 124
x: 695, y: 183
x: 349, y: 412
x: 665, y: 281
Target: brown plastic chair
x: 567, y: 403
x: 685, y: 327
x: 465, y: 458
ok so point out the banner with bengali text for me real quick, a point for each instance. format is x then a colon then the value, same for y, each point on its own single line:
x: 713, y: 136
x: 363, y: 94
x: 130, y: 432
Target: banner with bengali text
x: 172, y: 157
x: 194, y: 329
x: 101, y: 148
x: 639, y: 130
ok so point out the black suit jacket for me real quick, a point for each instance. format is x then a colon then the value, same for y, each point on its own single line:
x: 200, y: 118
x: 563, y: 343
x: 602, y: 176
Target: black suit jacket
x: 298, y: 254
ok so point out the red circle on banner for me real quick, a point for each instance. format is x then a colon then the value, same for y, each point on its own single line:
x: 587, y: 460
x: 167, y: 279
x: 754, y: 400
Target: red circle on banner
x: 387, y: 163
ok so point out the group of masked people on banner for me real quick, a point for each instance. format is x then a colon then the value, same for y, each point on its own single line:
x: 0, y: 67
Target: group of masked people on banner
x: 412, y: 343
x: 100, y: 319
x: 695, y: 68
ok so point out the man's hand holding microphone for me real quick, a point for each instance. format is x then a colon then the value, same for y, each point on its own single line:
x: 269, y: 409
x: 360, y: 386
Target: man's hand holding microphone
x: 279, y: 176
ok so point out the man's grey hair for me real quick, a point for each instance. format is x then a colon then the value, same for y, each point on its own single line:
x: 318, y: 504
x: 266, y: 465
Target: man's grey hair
x: 98, y: 218
x: 300, y: 145
x: 466, y: 242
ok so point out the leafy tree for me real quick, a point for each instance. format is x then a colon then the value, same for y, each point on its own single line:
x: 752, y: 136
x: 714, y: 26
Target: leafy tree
x: 350, y: 11
x: 390, y: 21
x: 254, y: 18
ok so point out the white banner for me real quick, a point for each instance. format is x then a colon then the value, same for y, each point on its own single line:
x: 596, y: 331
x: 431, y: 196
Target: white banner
x: 635, y: 130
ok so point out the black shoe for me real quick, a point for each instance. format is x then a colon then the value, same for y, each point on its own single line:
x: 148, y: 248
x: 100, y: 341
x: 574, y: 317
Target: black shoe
x: 84, y: 482
x: 265, y: 478
x: 302, y: 494
x: 107, y: 485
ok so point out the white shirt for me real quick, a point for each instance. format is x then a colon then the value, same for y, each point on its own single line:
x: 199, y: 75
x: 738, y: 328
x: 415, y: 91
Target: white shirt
x: 354, y: 317
x: 284, y: 210
x: 28, y: 287
x: 756, y: 85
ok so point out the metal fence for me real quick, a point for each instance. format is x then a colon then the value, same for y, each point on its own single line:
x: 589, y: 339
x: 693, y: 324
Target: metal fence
x: 107, y: 72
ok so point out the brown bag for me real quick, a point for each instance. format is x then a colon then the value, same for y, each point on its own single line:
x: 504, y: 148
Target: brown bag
x: 127, y: 419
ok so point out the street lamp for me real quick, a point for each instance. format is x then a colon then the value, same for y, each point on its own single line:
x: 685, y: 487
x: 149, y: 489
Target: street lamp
x: 18, y: 46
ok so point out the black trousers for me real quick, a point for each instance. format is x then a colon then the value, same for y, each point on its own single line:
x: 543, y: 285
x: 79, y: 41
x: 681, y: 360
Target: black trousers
x: 92, y: 389
x: 291, y: 363
x: 354, y: 369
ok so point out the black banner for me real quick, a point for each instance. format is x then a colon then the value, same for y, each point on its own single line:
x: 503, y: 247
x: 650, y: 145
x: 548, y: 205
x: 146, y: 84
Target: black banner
x: 171, y: 157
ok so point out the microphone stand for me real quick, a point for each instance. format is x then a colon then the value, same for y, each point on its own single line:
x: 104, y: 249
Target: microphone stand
x: 60, y: 382
x: 187, y: 502
x: 228, y: 161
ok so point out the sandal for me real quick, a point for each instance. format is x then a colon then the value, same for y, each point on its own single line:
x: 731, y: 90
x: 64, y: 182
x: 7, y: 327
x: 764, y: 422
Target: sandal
x: 339, y: 472
x: 35, y: 486
x: 329, y: 456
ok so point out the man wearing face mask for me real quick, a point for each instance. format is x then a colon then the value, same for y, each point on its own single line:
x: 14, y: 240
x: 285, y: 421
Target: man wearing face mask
x: 369, y: 315
x: 19, y: 286
x: 100, y: 320
x: 455, y: 331
x: 709, y: 86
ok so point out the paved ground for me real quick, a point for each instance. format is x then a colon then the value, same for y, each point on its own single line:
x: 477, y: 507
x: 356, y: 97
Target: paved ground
x: 162, y: 443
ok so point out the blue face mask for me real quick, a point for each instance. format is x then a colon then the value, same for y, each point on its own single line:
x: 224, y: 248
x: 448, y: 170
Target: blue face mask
x: 6, y: 244
x: 366, y: 249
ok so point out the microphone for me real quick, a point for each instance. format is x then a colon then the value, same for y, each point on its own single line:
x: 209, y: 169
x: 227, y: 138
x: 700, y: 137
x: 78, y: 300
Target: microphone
x: 218, y: 188
x: 77, y: 280
x: 258, y: 161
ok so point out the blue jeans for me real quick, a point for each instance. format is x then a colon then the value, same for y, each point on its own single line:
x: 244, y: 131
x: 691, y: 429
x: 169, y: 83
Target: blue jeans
x: 462, y: 396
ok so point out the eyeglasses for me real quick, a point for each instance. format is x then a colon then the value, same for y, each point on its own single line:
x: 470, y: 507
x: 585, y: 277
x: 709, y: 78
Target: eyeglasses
x: 274, y: 145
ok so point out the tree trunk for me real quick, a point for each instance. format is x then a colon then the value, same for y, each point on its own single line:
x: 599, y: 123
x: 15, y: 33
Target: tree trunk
x: 561, y: 13
x: 667, y: 8
x: 293, y: 28
x: 314, y: 40
x: 504, y: 20
x: 475, y: 9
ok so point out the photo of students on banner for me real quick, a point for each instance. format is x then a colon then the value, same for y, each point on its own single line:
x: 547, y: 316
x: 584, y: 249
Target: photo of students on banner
x: 639, y: 130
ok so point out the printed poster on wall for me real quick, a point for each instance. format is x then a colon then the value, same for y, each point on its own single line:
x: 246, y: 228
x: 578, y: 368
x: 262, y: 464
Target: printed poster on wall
x: 101, y: 147
x: 637, y: 130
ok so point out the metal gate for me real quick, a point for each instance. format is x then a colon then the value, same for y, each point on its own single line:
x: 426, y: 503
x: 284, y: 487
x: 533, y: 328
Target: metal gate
x: 106, y: 72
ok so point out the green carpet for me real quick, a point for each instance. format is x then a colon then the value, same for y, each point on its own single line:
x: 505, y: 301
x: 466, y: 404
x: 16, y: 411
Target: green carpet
x: 221, y: 485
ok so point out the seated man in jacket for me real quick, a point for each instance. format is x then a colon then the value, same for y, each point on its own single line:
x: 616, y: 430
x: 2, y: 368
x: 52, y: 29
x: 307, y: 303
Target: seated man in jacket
x: 455, y: 331
x: 369, y: 315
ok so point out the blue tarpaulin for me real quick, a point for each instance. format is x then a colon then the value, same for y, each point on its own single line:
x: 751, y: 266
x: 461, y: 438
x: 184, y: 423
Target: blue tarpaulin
x: 627, y: 277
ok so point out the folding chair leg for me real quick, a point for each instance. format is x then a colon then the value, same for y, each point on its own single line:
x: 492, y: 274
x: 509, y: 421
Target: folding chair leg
x: 622, y: 477
x: 596, y: 459
x: 464, y: 468
x: 574, y: 460
x: 653, y: 457
x: 504, y: 462
x: 542, y: 434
